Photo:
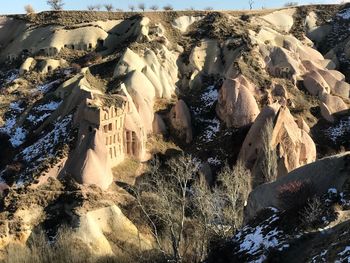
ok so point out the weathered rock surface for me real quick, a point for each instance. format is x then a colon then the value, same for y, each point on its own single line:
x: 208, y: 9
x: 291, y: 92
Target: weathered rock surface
x: 294, y: 147
x: 180, y: 119
x: 330, y: 172
x: 236, y: 106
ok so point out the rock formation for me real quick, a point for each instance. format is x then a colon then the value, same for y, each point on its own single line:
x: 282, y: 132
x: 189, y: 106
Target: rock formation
x: 236, y: 106
x: 293, y: 145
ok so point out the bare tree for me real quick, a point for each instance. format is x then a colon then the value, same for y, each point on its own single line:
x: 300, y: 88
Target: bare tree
x: 289, y: 4
x: 29, y: 9
x: 251, y: 3
x: 269, y: 158
x: 109, y: 7
x: 154, y: 7
x: 91, y: 7
x: 169, y: 201
x: 55, y: 4
x: 220, y: 210
x: 142, y: 7
x: 235, y: 187
x: 168, y: 7
x: 98, y: 7
x: 132, y: 8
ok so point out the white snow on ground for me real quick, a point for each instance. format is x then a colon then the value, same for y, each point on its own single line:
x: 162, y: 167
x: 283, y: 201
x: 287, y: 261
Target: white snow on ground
x: 345, y: 251
x: 214, y: 161
x: 15, y: 106
x: 43, y: 111
x: 18, y: 137
x: 17, y: 134
x: 11, y: 76
x: 255, y: 241
x: 209, y: 96
x: 344, y: 14
x: 212, y: 129
x: 51, y: 106
x: 44, y: 88
x: 341, y: 129
x: 46, y: 145
x: 320, y: 257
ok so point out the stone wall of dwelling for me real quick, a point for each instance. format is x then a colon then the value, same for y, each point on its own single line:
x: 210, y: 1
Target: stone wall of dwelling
x: 112, y: 125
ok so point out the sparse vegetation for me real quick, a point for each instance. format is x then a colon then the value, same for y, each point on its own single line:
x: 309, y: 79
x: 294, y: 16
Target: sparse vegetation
x: 29, y: 9
x: 251, y: 3
x: 154, y: 7
x: 55, y: 5
x: 289, y: 4
x: 142, y: 6
x: 311, y: 215
x: 108, y: 7
x: 168, y: 7
x: 209, y: 8
x: 132, y: 8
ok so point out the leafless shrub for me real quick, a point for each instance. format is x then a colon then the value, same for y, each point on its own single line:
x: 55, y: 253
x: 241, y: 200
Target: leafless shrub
x: 154, y: 7
x: 165, y: 212
x: 311, y: 215
x: 55, y: 4
x: 251, y: 3
x: 142, y: 7
x: 108, y: 7
x: 168, y: 7
x: 235, y: 185
x: 29, y: 9
x: 119, y: 10
x: 91, y: 7
x: 294, y: 195
x: 209, y: 8
x: 132, y: 8
x: 269, y: 159
x: 289, y: 4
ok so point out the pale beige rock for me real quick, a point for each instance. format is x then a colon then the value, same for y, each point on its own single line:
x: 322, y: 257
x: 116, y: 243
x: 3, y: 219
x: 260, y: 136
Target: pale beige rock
x: 180, y: 119
x: 89, y: 163
x: 158, y: 125
x: 27, y: 65
x: 303, y: 125
x: 183, y: 22
x: 294, y: 146
x: 96, y: 226
x: 326, y: 113
x: 282, y: 19
x: 334, y: 103
x: 330, y: 172
x: 315, y: 84
x: 206, y: 57
x: 236, y: 106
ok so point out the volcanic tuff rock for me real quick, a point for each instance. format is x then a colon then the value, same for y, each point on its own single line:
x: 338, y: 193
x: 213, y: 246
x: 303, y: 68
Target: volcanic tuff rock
x: 83, y: 94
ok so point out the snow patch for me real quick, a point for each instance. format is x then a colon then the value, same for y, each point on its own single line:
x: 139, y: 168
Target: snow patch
x: 340, y: 130
x: 344, y: 14
x: 46, y: 144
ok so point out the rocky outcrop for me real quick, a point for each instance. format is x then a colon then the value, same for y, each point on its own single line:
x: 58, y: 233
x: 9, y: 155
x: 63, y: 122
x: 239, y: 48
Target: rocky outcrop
x: 236, y: 106
x: 293, y: 145
x: 180, y: 119
x: 89, y: 164
x: 330, y: 172
x: 97, y: 226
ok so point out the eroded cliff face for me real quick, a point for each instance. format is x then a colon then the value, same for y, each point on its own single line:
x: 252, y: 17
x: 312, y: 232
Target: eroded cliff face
x: 85, y: 96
